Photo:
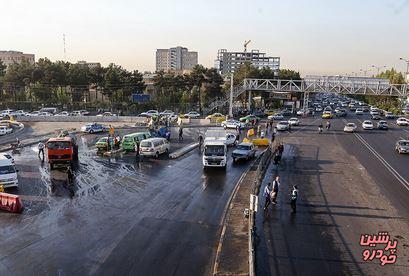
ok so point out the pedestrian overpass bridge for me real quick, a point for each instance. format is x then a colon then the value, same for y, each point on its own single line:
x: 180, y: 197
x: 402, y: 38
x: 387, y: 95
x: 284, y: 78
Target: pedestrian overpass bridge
x: 336, y: 86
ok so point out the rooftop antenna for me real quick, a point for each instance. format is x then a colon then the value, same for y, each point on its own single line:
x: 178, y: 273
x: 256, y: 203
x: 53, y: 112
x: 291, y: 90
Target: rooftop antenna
x: 245, y: 44
x: 65, y: 51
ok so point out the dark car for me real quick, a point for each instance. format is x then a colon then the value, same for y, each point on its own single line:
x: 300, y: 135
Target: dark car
x: 383, y: 125
x: 286, y: 112
x: 244, y: 151
x: 340, y: 112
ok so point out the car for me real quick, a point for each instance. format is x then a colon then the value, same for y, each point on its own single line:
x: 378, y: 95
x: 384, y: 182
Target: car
x: 166, y: 112
x: 33, y: 114
x: 102, y: 143
x: 383, y: 125
x: 249, y: 118
x: 259, y: 113
x: 376, y: 117
x: 231, y: 123
x: 8, y: 172
x: 389, y: 115
x: 215, y: 116
x: 154, y: 147
x: 276, y: 117
x: 106, y: 114
x: 5, y: 130
x: 269, y: 112
x: 341, y: 112
x: 374, y: 112
x: 286, y: 112
x: 282, y: 125
x: 6, y: 112
x: 63, y: 114
x: 367, y: 125
x: 243, y: 151
x: 318, y: 108
x: 8, y: 156
x: 94, y: 128
x: 350, y: 127
x: 301, y: 112
x: 294, y: 122
x: 231, y: 139
x: 18, y: 113
x: 402, y: 146
x: 402, y: 121
x: 365, y: 108
x: 150, y: 113
x: 192, y: 114
x: 327, y: 115
x: 359, y: 111
x: 328, y: 108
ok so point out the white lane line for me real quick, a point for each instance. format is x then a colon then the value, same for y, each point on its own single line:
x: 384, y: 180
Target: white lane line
x: 400, y: 178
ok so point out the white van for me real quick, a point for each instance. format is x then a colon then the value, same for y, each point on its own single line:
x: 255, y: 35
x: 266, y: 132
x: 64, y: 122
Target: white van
x: 154, y: 147
x: 8, y: 172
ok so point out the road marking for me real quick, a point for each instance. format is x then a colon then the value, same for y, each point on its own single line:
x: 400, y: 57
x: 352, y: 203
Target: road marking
x: 400, y: 178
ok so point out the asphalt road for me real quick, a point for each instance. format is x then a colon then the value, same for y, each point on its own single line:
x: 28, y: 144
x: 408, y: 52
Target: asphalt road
x: 161, y: 217
x: 349, y: 184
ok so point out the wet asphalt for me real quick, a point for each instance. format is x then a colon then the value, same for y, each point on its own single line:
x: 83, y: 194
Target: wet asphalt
x: 156, y: 217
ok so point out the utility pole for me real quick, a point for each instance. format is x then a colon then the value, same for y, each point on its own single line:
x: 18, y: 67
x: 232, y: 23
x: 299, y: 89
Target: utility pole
x: 65, y: 52
x: 231, y: 96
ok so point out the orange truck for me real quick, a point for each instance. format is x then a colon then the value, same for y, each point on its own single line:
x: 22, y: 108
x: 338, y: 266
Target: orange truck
x: 62, y: 151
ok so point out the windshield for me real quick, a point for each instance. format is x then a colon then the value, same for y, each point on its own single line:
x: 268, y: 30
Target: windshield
x: 7, y: 169
x: 58, y: 145
x: 146, y: 144
x: 217, y: 150
x: 404, y: 143
x: 242, y: 147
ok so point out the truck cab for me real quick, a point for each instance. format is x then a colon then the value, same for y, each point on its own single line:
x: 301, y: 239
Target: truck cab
x: 61, y: 150
x: 8, y: 172
x: 215, y: 148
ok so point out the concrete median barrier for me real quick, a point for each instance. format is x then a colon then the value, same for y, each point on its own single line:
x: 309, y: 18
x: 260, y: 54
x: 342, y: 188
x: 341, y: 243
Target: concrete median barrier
x: 178, y: 153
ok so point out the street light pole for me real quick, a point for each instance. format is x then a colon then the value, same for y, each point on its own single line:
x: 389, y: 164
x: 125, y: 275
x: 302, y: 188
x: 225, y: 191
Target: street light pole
x: 407, y: 66
x: 378, y: 68
x: 231, y: 97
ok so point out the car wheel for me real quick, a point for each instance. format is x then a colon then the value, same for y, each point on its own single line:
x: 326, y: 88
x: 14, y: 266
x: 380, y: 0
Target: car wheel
x: 91, y: 131
x: 157, y: 155
x: 234, y: 160
x: 225, y: 127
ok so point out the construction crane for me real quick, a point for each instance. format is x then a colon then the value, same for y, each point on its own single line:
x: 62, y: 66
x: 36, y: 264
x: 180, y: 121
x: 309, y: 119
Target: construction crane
x: 245, y: 45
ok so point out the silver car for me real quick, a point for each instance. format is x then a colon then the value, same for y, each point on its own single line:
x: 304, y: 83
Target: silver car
x: 402, y: 146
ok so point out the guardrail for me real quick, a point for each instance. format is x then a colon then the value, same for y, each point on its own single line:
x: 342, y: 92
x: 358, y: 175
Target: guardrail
x: 261, y: 170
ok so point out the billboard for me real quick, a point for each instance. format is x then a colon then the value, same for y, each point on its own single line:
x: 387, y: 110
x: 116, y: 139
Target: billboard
x: 141, y: 98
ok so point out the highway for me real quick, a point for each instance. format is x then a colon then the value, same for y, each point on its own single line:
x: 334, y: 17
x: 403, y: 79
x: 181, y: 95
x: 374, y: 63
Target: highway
x: 159, y: 218
x: 350, y: 184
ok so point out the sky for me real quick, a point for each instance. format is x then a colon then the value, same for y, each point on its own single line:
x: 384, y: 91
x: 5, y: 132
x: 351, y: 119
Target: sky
x: 310, y: 36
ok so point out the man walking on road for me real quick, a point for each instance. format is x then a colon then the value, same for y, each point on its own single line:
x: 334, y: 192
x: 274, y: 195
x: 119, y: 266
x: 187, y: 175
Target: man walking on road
x: 293, y: 200
x: 267, y: 196
x: 275, y: 189
x: 328, y: 125
x: 180, y: 133
x: 41, y: 147
x: 137, y: 148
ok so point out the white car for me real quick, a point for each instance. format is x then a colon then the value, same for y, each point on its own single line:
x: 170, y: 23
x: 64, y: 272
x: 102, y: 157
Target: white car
x: 359, y: 111
x: 231, y: 139
x: 232, y: 124
x: 367, y: 125
x: 106, y: 114
x: 318, y: 108
x: 282, y: 125
x: 18, y: 113
x: 63, y: 114
x: 276, y: 117
x: 34, y: 113
x: 154, y: 147
x: 192, y: 114
x: 5, y: 112
x: 294, y: 121
x: 5, y: 130
x: 150, y: 113
x: 166, y: 112
x: 350, y: 127
x: 374, y: 112
x: 45, y: 114
x: 402, y: 121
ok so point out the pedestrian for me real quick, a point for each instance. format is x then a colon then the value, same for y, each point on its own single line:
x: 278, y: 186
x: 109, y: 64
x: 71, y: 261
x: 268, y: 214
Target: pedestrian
x: 180, y: 133
x: 258, y: 130
x: 328, y: 125
x: 41, y: 147
x: 137, y: 151
x: 277, y: 158
x: 200, y: 141
x: 267, y: 196
x: 289, y: 128
x: 275, y: 189
x: 281, y: 148
x: 262, y: 134
x: 237, y: 137
x: 70, y: 175
x: 293, y: 199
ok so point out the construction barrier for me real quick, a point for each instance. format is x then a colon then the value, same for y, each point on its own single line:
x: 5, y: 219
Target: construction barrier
x: 261, y: 141
x: 11, y: 203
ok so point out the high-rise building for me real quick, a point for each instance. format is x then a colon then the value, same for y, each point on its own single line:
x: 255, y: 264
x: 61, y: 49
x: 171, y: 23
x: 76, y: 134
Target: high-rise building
x: 10, y: 57
x: 228, y: 62
x: 177, y: 59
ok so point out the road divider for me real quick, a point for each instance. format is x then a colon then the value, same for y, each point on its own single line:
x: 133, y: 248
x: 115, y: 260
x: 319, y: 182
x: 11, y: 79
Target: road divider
x: 11, y: 203
x: 178, y: 153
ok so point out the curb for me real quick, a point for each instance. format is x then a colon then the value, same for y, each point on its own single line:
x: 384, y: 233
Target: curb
x: 178, y: 153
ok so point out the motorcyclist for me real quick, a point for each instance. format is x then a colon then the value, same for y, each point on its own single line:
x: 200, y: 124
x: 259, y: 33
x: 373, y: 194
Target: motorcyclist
x: 320, y: 127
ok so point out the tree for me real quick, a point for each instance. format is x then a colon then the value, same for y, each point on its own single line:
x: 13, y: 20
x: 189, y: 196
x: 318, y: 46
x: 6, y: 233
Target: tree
x: 393, y: 76
x: 287, y: 74
x: 246, y: 70
x: 3, y: 68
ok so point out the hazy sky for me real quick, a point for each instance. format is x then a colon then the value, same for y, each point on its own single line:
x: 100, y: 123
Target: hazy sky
x: 312, y: 36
